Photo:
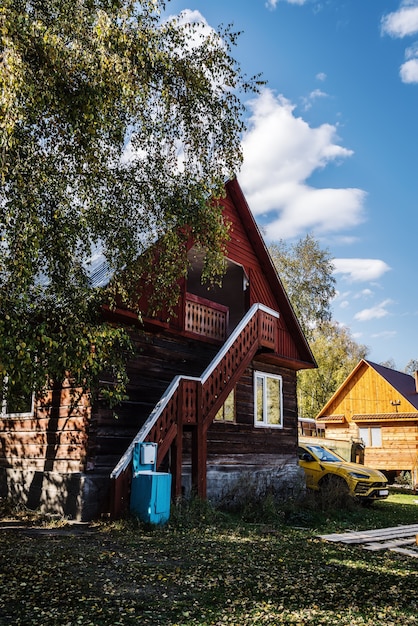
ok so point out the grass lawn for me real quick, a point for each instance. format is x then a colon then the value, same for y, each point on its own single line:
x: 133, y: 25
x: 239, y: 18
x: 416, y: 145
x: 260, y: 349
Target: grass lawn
x: 207, y: 568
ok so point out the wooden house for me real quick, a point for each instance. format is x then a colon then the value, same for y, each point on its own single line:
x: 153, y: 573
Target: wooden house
x: 379, y: 406
x: 214, y: 387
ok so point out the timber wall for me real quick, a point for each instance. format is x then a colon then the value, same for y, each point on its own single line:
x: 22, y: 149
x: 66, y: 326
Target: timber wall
x: 54, y: 438
x: 160, y: 357
x: 399, y: 449
x: 242, y: 458
x: 367, y: 393
x: 43, y: 456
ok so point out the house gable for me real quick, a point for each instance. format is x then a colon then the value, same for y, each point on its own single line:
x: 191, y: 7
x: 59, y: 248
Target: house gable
x: 246, y: 249
x: 373, y: 390
x: 247, y: 253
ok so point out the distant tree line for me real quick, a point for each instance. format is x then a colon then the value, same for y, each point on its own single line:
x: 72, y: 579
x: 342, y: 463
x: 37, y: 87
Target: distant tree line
x: 306, y: 271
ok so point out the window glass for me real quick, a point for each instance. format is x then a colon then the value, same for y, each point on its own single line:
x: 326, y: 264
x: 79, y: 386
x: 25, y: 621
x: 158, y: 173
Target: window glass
x: 376, y: 437
x: 372, y: 437
x: 227, y: 411
x: 268, y: 400
x: 273, y: 401
x: 364, y: 435
x: 14, y: 401
x: 259, y: 399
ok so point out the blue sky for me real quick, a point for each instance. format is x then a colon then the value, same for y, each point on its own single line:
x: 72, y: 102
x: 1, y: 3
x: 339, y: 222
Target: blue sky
x: 332, y: 144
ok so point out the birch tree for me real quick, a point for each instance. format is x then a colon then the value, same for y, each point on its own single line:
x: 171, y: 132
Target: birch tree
x: 116, y: 127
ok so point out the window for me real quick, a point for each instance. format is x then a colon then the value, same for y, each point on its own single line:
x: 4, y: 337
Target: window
x: 372, y: 436
x: 268, y: 406
x: 227, y: 411
x: 13, y: 401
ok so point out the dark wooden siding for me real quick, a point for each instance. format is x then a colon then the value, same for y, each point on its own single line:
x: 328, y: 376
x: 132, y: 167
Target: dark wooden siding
x: 241, y: 442
x: 241, y: 250
x: 160, y: 357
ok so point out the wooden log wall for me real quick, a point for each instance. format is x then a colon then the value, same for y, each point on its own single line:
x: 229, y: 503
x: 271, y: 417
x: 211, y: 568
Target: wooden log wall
x: 66, y: 437
x: 241, y: 442
x: 160, y: 357
x: 53, y: 439
x: 399, y: 450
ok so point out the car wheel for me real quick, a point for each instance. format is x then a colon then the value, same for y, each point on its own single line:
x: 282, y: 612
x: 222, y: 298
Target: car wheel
x: 366, y: 502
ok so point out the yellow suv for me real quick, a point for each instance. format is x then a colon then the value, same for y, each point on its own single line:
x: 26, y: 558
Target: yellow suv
x: 326, y: 469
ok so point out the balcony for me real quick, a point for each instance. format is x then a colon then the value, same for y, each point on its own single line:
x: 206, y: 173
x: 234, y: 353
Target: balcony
x: 205, y: 318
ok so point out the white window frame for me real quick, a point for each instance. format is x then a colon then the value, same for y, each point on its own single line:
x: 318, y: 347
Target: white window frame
x: 371, y: 436
x: 3, y: 404
x: 264, y: 423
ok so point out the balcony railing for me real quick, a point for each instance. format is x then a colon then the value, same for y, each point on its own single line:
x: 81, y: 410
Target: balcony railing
x: 206, y: 318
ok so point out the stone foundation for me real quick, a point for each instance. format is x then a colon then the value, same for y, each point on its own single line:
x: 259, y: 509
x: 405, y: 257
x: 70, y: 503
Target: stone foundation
x: 83, y: 497
x: 229, y: 486
x: 75, y: 496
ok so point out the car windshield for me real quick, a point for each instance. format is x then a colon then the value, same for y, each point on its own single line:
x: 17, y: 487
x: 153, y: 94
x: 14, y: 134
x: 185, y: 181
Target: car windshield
x: 324, y: 455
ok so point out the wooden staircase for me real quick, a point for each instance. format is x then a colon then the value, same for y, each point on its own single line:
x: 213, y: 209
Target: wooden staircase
x: 194, y: 402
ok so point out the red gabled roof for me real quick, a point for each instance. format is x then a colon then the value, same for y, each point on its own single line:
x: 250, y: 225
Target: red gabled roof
x: 246, y: 247
x: 272, y: 280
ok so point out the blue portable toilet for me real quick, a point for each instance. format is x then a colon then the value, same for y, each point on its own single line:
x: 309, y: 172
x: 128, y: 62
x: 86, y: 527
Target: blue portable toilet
x: 150, y: 490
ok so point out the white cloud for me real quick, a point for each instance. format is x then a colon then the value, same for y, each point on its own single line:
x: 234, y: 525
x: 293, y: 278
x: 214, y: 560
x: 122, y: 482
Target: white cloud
x: 385, y: 334
x: 189, y: 16
x: 200, y: 30
x: 271, y: 4
x: 317, y: 93
x: 402, y: 22
x: 412, y: 51
x: 375, y: 312
x: 361, y: 270
x: 409, y: 69
x: 281, y: 151
x: 319, y: 210
x: 364, y: 293
x: 342, y: 294
x: 321, y: 76
x: 314, y: 95
x: 345, y: 240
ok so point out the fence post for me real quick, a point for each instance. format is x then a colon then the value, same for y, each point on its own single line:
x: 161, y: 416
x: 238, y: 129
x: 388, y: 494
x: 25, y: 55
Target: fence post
x: 199, y: 450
